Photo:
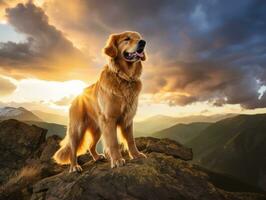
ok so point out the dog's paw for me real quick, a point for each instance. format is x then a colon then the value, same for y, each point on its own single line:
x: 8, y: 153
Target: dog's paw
x: 137, y: 155
x: 117, y: 162
x: 75, y: 168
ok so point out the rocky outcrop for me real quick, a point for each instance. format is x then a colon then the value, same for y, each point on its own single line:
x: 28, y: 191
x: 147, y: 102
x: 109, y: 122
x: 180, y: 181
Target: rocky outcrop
x: 166, y: 146
x: 18, y: 142
x: 157, y: 177
x: 25, y: 158
x: 166, y: 173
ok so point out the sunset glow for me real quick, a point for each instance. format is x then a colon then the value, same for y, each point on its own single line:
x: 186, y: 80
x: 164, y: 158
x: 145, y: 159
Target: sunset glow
x: 191, y: 68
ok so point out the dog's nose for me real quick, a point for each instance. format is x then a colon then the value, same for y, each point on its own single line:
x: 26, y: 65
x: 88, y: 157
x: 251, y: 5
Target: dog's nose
x: 142, y: 43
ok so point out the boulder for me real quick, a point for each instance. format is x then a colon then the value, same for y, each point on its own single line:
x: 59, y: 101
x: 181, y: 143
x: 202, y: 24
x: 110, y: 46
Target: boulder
x: 166, y: 146
x: 39, y: 165
x: 18, y: 142
x: 159, y: 176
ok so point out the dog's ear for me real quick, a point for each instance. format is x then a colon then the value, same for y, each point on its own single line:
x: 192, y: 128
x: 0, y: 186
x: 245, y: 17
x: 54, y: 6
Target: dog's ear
x: 110, y: 49
x: 144, y: 57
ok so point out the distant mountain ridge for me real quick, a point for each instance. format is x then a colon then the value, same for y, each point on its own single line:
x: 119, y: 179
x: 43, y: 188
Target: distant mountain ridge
x: 182, y: 133
x: 153, y: 124
x: 159, y: 122
x: 234, y: 146
x: 52, y: 128
x: 51, y: 117
x: 29, y: 117
x: 20, y: 113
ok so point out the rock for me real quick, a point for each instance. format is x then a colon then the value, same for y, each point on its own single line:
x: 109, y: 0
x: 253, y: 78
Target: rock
x: 158, y: 177
x: 164, y: 174
x: 166, y: 146
x: 33, y: 168
x: 50, y: 146
x: 20, y: 185
x: 18, y: 142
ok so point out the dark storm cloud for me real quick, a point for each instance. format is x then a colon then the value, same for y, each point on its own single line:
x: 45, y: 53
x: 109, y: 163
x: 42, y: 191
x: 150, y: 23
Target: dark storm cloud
x: 199, y: 50
x: 6, y: 87
x: 211, y: 50
x: 207, y: 81
x: 46, y: 48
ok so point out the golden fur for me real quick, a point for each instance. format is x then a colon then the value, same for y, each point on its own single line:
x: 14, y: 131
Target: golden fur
x: 110, y: 102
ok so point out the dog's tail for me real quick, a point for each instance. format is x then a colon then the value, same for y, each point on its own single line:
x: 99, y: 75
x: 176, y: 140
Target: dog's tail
x: 62, y: 156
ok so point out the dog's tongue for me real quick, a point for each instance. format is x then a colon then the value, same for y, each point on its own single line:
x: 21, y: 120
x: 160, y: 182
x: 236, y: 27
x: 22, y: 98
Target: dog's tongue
x: 136, y: 54
x: 139, y: 54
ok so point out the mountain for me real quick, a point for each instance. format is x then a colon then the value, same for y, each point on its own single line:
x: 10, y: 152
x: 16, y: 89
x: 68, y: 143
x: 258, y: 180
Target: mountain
x: 153, y: 124
x: 234, y: 146
x: 28, y: 172
x: 52, y: 128
x: 182, y: 133
x: 160, y: 122
x: 17, y: 113
x: 204, y: 118
x: 31, y: 118
x: 51, y: 118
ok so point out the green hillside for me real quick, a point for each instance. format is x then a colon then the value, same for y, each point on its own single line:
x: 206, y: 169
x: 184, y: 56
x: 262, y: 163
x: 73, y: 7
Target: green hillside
x: 153, y: 124
x: 53, y: 129
x: 234, y: 146
x: 160, y: 122
x: 51, y: 117
x: 182, y: 133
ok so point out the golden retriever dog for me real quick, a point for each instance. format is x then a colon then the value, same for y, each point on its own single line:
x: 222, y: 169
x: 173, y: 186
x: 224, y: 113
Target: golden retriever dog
x: 109, y: 103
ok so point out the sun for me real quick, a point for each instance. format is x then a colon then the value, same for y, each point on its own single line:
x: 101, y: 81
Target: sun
x: 75, y: 87
x: 3, y: 22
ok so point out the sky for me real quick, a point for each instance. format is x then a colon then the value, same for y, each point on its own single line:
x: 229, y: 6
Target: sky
x: 204, y: 56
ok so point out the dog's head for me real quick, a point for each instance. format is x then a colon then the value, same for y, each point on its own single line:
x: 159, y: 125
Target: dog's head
x: 127, y: 45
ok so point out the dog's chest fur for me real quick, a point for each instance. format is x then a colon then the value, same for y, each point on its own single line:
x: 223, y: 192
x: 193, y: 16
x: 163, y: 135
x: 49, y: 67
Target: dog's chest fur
x: 122, y: 93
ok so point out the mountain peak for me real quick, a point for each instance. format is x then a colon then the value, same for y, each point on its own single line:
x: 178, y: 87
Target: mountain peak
x: 19, y: 113
x: 22, y: 108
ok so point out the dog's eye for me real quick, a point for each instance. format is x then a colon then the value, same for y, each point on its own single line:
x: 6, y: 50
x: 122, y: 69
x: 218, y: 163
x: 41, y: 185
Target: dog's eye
x: 127, y: 39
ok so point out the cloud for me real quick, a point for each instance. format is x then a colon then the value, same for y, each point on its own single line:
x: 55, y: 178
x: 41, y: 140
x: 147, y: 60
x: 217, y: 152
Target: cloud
x: 218, y: 83
x: 207, y: 50
x: 6, y: 87
x: 3, y: 5
x: 46, y: 53
x: 198, y: 51
x: 65, y: 101
x: 8, y: 3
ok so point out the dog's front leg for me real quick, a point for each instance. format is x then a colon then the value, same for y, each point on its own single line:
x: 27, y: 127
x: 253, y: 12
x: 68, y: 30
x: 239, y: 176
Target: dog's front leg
x: 111, y: 145
x: 127, y: 132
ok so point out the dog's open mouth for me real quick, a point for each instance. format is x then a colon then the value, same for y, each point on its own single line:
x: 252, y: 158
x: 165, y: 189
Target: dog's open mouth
x: 133, y: 55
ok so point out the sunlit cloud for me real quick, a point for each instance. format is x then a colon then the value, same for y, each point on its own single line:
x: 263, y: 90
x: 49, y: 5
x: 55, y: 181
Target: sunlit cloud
x: 3, y: 21
x: 7, y: 87
x: 45, y: 53
x: 262, y: 91
x: 46, y: 91
x: 198, y: 61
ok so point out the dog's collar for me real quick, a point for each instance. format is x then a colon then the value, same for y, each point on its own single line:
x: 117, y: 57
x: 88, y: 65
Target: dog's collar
x: 119, y: 73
